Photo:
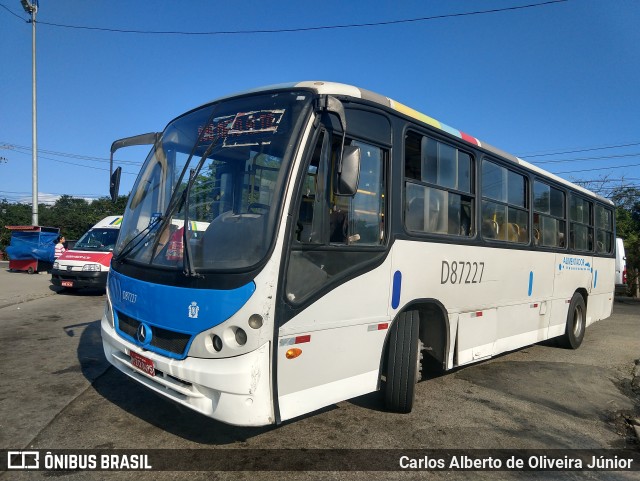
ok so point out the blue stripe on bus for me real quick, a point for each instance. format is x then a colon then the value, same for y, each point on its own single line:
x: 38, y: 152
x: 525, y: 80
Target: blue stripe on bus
x: 397, y: 287
x: 177, y: 309
x: 530, y: 283
x: 595, y: 280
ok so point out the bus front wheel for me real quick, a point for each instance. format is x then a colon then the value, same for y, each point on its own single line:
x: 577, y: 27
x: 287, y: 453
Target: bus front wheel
x: 576, y: 323
x: 403, y: 362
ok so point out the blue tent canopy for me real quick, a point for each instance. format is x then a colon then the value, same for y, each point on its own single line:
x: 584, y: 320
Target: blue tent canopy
x: 37, y: 243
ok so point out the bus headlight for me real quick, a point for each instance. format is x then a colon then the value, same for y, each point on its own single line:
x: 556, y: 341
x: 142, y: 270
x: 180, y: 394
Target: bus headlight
x: 91, y: 267
x: 56, y: 265
x: 241, y: 337
x: 217, y: 343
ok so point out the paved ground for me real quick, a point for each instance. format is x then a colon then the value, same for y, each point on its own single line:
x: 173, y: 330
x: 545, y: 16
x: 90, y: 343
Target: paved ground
x: 20, y: 287
x: 57, y: 392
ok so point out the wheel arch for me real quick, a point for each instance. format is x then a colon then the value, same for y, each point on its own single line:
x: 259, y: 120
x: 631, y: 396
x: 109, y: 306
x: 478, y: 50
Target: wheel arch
x: 585, y: 295
x: 434, y: 330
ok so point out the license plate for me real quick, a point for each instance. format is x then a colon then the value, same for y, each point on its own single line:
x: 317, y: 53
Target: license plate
x: 142, y: 363
x: 66, y: 283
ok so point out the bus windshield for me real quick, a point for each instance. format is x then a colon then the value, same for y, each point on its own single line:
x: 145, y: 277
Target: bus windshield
x: 221, y: 169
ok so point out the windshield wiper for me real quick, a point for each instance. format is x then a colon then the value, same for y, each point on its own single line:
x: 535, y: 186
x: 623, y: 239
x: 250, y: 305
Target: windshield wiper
x: 189, y: 268
x: 142, y: 234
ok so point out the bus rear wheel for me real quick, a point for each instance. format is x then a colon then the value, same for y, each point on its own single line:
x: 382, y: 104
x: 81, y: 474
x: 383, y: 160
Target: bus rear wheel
x: 404, y: 358
x: 576, y: 323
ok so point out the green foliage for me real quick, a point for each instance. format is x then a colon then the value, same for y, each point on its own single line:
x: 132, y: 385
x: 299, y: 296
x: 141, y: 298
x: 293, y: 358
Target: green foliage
x: 627, y: 202
x: 72, y: 216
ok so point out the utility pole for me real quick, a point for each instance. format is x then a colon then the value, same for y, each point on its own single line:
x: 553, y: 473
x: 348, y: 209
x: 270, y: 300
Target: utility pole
x: 31, y: 7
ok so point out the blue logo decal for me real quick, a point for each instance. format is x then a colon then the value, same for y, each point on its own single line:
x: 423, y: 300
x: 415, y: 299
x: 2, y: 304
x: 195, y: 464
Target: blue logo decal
x: 575, y: 264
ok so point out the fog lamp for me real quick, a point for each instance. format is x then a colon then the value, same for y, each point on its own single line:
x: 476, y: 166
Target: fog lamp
x: 255, y: 321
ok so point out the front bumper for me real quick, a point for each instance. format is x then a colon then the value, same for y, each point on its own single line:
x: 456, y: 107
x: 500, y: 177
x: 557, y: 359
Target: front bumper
x: 235, y: 390
x: 80, y: 279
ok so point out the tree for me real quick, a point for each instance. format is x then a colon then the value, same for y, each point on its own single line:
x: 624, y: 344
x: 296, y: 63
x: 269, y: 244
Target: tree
x: 627, y: 200
x: 71, y: 215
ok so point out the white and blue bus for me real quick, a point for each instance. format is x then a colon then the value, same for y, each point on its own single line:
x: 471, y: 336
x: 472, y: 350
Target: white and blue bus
x: 297, y: 245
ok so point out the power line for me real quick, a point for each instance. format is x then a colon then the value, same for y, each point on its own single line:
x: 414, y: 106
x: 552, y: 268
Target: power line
x: 299, y: 29
x: 18, y: 148
x: 636, y: 154
x: 622, y: 179
x: 12, y: 13
x: 75, y: 164
x: 588, y: 149
x: 600, y: 168
x: 85, y: 166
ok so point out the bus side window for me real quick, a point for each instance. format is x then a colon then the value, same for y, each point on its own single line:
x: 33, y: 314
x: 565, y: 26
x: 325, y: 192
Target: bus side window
x: 549, y: 216
x: 439, y: 193
x: 604, y: 230
x: 580, y: 223
x: 505, y: 213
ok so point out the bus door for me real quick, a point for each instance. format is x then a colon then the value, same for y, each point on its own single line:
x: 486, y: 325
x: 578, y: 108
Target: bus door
x: 337, y: 283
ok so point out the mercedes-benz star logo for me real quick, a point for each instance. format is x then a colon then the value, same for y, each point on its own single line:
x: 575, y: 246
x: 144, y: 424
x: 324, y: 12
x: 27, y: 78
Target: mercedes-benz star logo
x: 141, y: 333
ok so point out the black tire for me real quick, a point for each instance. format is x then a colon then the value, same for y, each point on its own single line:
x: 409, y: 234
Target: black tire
x: 576, y: 323
x: 403, y: 362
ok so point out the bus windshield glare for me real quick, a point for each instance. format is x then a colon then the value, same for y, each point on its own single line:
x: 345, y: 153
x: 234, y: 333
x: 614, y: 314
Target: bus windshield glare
x: 221, y: 169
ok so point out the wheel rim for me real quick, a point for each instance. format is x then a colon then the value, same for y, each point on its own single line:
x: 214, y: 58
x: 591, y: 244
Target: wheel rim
x: 578, y: 321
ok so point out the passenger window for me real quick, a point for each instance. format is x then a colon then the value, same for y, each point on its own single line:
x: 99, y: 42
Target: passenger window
x: 548, y: 216
x: 504, y: 205
x: 604, y: 230
x: 580, y: 224
x: 438, y: 193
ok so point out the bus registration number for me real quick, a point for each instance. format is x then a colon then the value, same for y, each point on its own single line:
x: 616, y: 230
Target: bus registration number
x: 142, y: 363
x: 461, y: 272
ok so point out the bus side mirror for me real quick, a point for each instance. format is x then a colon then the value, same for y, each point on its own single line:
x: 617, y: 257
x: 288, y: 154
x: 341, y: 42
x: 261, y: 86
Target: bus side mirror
x: 349, y: 173
x: 114, y: 184
x: 144, y: 139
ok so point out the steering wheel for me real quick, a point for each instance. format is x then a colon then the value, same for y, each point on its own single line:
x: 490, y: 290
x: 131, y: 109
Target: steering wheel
x: 257, y: 205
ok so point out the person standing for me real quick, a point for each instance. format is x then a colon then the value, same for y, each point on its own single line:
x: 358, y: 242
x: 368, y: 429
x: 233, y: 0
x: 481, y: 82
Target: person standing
x: 59, y: 250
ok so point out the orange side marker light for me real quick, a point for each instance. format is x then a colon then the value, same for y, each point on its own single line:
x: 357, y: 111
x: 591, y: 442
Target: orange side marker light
x: 293, y: 353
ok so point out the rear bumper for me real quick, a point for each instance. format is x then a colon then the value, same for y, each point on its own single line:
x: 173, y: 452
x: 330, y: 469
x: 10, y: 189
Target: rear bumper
x: 233, y: 390
x: 96, y: 280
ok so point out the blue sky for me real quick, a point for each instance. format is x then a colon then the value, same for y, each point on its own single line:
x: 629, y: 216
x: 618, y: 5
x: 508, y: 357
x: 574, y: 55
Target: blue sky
x: 543, y: 80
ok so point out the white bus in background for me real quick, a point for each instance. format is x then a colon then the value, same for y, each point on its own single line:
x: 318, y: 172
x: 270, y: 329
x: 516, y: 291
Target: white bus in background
x: 341, y: 236
x: 621, y: 267
x: 86, y: 264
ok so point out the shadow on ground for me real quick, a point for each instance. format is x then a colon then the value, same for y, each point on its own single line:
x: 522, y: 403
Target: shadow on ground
x: 146, y: 405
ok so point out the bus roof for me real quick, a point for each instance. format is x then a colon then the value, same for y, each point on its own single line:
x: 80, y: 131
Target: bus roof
x: 340, y: 89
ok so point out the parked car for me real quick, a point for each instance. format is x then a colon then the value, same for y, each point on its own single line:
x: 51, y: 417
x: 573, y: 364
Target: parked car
x: 87, y: 263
